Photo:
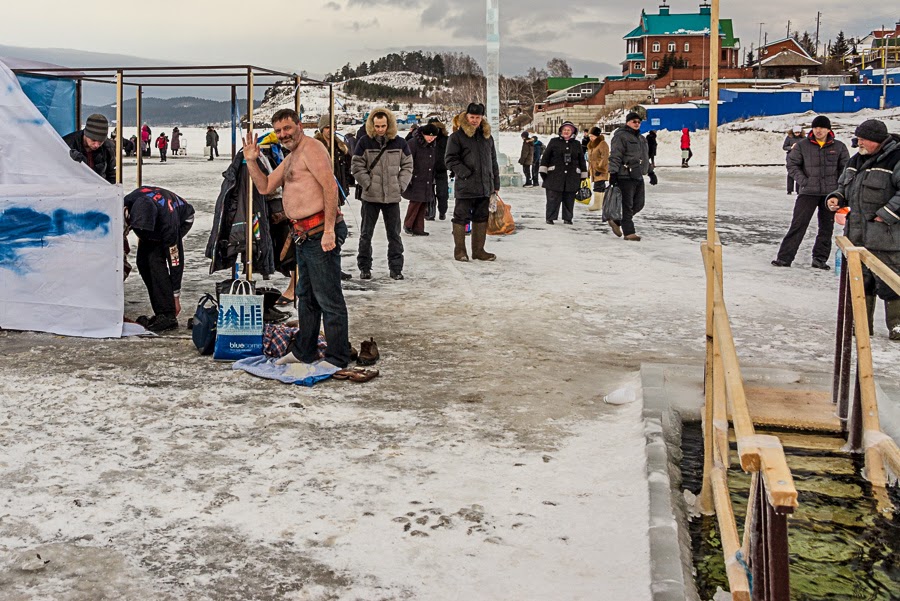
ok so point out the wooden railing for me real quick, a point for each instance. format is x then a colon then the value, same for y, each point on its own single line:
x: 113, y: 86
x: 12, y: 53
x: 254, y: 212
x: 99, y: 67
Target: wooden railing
x: 860, y: 417
x: 763, y: 552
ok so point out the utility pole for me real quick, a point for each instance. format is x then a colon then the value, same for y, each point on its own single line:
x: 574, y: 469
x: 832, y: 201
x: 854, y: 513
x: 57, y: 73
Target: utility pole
x: 818, y: 22
x: 759, y: 55
x: 789, y: 28
x: 884, y: 48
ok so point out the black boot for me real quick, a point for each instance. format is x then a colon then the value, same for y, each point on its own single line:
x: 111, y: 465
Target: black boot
x: 870, y: 312
x: 892, y: 318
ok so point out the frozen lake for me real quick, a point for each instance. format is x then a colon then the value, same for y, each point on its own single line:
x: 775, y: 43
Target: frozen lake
x: 481, y: 465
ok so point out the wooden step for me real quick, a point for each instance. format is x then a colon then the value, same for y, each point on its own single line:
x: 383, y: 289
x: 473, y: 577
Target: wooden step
x: 794, y: 409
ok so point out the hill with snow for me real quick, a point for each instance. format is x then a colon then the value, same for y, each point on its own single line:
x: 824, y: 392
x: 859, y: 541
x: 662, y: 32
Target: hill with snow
x: 350, y: 109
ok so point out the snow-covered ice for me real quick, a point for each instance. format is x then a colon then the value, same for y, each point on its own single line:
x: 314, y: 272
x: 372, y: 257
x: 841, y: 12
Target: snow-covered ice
x: 481, y: 465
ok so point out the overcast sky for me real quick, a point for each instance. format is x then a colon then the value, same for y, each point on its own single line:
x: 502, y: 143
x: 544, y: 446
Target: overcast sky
x: 321, y: 35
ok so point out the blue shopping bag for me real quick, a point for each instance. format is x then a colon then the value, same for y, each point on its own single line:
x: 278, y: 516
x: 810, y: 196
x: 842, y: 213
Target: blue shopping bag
x: 239, y: 329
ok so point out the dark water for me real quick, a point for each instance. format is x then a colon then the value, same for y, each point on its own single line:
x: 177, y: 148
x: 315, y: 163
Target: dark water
x: 841, y: 547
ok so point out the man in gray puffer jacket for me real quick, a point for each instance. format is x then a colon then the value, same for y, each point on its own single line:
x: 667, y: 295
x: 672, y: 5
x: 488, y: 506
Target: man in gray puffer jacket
x: 629, y: 162
x: 815, y: 164
x: 382, y: 166
x: 870, y: 186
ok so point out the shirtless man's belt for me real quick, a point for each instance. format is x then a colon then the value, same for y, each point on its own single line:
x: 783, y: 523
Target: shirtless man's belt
x: 302, y: 229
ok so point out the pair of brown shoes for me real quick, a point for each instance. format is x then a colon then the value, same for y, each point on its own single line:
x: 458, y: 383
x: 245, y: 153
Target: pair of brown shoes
x: 368, y: 352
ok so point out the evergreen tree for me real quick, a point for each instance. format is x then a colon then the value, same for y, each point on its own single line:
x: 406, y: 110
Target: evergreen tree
x: 807, y: 43
x: 840, y: 47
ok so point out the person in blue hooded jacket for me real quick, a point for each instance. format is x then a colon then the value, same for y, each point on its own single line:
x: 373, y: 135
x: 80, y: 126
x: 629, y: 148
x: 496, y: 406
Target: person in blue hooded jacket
x: 538, y: 152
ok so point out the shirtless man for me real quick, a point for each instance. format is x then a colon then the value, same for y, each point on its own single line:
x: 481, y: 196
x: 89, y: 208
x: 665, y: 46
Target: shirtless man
x: 311, y: 202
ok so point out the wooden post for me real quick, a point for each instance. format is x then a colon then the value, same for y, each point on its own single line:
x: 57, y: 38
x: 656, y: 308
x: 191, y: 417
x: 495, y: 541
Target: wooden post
x: 708, y: 254
x: 868, y: 403
x: 728, y: 534
x: 714, y: 44
x: 720, y: 411
x: 139, y: 178
x: 297, y: 94
x: 248, y: 267
x: 119, y: 102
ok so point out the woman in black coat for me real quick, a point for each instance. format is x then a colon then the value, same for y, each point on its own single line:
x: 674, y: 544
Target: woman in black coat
x: 651, y: 147
x: 562, y: 169
x: 420, y: 191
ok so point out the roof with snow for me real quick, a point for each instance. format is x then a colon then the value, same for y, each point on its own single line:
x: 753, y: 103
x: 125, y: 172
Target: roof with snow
x: 789, y: 58
x: 693, y: 24
x: 796, y: 46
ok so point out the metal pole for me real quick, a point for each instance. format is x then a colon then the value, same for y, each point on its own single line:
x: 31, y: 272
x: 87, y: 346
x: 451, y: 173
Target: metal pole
x: 883, y: 77
x: 119, y: 103
x: 248, y: 267
x: 331, y: 124
x: 233, y: 122
x: 140, y: 151
x: 77, y: 105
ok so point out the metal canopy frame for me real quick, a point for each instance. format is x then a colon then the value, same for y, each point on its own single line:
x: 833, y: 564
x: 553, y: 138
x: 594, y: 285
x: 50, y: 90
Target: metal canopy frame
x: 221, y: 76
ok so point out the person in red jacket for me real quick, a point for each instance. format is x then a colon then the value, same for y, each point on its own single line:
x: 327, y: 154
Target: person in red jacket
x: 686, y: 153
x: 162, y: 142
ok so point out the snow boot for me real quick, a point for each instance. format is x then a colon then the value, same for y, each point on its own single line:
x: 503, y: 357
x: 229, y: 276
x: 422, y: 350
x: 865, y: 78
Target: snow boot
x: 870, y: 311
x: 479, y: 234
x: 596, y: 201
x: 892, y: 318
x: 459, y: 242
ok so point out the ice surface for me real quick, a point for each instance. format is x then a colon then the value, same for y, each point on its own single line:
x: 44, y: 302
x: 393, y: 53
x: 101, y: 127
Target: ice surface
x: 137, y: 465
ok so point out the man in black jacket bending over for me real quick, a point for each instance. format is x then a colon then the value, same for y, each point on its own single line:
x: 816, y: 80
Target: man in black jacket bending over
x: 161, y: 219
x: 471, y: 155
x: 91, y: 147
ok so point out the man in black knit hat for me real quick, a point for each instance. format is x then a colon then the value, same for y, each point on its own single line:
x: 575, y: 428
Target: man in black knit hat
x: 870, y: 186
x: 92, y: 147
x: 815, y: 163
x: 472, y: 156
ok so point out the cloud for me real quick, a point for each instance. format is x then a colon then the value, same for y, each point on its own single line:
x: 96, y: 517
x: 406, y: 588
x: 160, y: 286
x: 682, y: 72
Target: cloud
x: 332, y: 6
x: 397, y: 3
x: 358, y: 26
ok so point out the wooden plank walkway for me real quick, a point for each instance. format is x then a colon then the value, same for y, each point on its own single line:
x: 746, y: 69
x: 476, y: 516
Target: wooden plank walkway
x: 793, y: 408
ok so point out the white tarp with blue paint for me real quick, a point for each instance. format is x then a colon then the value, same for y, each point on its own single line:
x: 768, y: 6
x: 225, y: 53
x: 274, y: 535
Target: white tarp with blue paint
x: 60, y: 230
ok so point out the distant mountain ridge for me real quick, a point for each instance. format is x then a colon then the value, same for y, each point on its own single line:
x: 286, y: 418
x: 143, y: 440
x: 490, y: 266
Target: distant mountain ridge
x: 183, y: 111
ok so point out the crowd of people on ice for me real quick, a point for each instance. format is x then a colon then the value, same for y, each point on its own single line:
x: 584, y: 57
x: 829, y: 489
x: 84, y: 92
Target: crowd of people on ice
x: 311, y: 185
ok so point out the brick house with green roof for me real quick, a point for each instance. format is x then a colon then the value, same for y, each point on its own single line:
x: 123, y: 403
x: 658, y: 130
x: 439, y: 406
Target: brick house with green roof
x: 684, y: 34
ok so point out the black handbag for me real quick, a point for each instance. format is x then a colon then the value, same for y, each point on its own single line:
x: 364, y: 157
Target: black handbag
x: 584, y: 192
x: 203, y: 330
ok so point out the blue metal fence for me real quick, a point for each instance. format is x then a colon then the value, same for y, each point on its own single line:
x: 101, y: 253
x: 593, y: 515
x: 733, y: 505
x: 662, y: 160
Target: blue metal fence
x: 743, y: 104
